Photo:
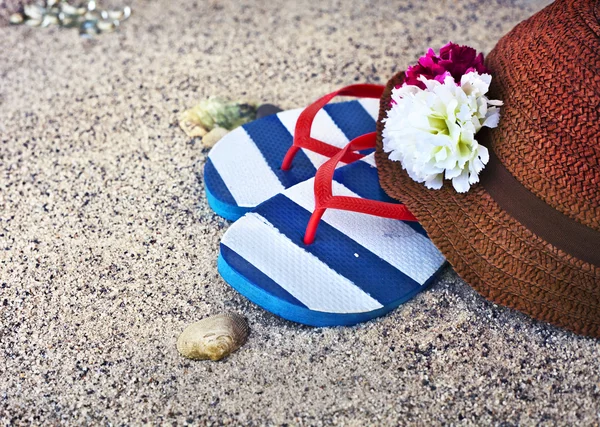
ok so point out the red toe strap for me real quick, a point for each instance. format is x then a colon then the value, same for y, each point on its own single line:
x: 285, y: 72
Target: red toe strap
x: 324, y: 198
x: 302, y: 138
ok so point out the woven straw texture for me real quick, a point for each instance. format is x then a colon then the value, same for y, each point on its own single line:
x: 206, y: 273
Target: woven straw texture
x: 546, y: 70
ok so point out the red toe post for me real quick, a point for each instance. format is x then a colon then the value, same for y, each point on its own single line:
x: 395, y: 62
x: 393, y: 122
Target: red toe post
x: 302, y: 138
x: 324, y: 198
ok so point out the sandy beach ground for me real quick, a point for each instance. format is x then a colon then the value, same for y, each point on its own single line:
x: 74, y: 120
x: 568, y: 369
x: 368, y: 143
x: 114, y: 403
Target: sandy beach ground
x: 108, y: 248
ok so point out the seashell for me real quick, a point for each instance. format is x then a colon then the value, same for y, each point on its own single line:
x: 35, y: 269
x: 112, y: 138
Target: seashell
x: 49, y: 20
x: 34, y: 11
x: 191, y: 124
x: 68, y: 9
x: 216, y: 112
x: 33, y: 22
x: 107, y: 26
x: 120, y: 15
x: 113, y: 14
x: 212, y: 137
x: 126, y: 13
x: 16, y: 18
x: 213, y: 337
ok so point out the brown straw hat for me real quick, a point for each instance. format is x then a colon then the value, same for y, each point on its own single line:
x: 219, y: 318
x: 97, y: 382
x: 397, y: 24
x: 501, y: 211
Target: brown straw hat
x: 528, y: 235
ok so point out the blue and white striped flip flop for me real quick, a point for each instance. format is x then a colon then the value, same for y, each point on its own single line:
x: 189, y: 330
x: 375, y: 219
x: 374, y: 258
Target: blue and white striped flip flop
x: 244, y: 168
x: 358, y: 268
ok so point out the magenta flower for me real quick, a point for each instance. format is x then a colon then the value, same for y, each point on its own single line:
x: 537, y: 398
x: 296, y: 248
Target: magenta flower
x: 453, y: 60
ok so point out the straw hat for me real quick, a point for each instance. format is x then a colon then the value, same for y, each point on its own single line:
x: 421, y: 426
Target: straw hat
x: 528, y: 235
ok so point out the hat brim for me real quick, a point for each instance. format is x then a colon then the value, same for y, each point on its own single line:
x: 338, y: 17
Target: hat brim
x: 494, y: 253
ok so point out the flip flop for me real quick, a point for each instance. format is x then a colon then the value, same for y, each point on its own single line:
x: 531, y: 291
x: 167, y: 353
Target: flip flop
x: 255, y: 162
x: 359, y: 266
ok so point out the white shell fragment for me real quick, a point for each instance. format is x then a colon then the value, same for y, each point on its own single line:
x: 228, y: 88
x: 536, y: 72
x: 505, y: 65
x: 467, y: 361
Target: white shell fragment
x: 212, y: 137
x: 16, y: 18
x: 33, y: 22
x: 107, y: 26
x: 34, y: 11
x: 49, y: 20
x: 213, y: 337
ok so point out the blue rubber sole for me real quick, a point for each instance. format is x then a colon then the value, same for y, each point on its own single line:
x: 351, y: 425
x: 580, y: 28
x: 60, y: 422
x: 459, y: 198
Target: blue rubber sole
x: 301, y: 314
x: 227, y: 211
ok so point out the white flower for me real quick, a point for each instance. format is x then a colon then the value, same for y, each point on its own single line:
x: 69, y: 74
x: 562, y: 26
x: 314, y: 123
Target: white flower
x: 432, y: 131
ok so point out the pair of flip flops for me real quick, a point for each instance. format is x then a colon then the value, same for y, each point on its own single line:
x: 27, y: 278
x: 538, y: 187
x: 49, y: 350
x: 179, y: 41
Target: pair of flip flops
x: 316, y: 243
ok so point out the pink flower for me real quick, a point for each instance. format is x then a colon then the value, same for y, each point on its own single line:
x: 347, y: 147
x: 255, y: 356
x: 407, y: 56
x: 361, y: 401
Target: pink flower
x: 453, y: 60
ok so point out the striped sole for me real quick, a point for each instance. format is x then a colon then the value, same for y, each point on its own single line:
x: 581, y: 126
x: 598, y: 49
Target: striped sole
x: 359, y: 267
x: 243, y: 169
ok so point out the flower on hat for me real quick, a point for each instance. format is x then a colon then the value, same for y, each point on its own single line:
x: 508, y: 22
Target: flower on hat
x: 430, y: 128
x: 454, y: 60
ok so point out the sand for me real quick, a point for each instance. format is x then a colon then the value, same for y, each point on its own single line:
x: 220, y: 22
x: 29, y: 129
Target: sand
x: 108, y: 248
